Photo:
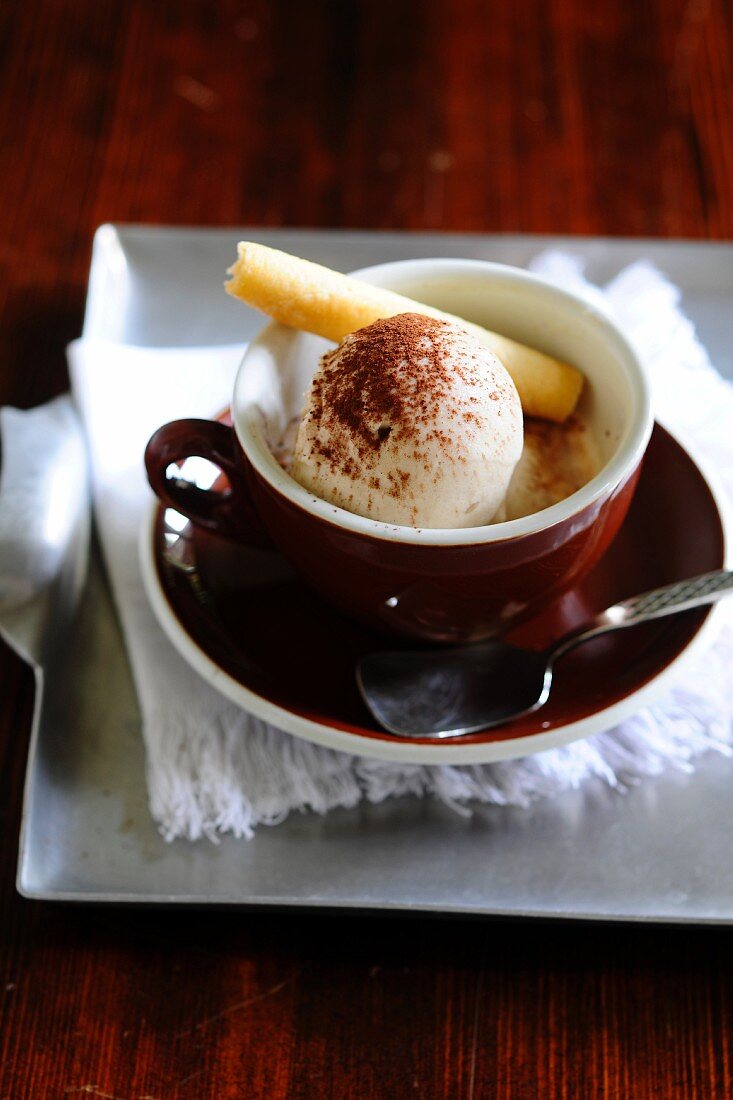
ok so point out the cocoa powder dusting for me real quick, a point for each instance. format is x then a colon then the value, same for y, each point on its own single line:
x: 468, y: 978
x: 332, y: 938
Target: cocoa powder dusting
x: 388, y: 381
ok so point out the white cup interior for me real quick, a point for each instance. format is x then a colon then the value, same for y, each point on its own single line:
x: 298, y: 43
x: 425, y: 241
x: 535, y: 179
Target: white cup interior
x: 280, y: 362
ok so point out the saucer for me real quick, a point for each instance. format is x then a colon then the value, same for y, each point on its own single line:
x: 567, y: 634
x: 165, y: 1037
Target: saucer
x: 250, y: 627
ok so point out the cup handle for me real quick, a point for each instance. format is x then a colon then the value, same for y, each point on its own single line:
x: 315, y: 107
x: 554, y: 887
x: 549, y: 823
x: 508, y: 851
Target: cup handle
x: 230, y: 511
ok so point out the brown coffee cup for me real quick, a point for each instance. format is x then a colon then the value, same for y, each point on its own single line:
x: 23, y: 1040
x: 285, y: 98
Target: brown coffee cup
x: 449, y: 585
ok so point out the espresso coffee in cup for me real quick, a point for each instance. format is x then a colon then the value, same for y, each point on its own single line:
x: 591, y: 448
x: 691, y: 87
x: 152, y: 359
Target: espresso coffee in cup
x: 566, y: 496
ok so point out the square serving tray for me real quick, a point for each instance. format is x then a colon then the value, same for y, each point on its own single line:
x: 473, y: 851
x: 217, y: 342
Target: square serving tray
x: 658, y: 853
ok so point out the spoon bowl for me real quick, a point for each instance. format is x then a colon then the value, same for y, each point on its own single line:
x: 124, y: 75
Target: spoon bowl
x: 448, y: 693
x: 451, y: 692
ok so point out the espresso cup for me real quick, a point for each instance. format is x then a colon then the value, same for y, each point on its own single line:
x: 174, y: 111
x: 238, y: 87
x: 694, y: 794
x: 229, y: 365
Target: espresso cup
x: 448, y: 585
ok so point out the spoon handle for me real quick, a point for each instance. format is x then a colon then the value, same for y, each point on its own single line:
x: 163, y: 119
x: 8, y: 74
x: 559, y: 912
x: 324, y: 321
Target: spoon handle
x: 680, y: 596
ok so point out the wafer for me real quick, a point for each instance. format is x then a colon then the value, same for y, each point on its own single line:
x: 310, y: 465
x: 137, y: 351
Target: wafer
x: 316, y: 299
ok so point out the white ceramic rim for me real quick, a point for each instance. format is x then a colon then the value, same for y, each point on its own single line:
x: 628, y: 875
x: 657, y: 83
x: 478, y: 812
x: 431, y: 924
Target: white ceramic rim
x: 249, y: 428
x: 444, y: 752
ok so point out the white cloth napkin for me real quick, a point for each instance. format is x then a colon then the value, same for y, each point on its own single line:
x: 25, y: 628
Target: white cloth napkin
x: 214, y: 769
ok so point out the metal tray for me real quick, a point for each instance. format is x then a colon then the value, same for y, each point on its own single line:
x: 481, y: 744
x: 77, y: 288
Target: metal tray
x: 659, y: 853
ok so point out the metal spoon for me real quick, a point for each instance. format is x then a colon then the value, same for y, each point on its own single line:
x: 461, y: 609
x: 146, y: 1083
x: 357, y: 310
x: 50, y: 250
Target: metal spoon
x: 446, y: 693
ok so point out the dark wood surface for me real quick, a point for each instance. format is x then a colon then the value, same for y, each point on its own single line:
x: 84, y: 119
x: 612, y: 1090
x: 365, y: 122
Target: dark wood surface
x: 535, y: 115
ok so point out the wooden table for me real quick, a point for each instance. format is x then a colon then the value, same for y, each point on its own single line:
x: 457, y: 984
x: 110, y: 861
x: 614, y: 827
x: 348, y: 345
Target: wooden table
x: 535, y: 115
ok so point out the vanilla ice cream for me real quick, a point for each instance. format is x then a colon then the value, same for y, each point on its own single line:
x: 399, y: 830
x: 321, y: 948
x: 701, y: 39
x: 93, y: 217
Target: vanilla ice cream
x: 410, y: 421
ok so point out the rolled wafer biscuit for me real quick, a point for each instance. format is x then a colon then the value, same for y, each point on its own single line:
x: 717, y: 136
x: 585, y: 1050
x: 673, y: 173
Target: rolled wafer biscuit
x: 307, y: 296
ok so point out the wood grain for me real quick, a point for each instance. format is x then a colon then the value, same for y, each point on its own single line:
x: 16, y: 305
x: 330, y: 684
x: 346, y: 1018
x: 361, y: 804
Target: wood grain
x: 538, y: 115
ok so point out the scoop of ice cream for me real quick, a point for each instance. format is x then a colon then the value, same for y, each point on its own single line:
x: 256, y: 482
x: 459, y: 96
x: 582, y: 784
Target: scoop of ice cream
x: 410, y: 421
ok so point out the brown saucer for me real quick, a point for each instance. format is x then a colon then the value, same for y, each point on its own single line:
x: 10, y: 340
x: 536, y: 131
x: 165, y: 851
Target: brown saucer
x: 289, y: 657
